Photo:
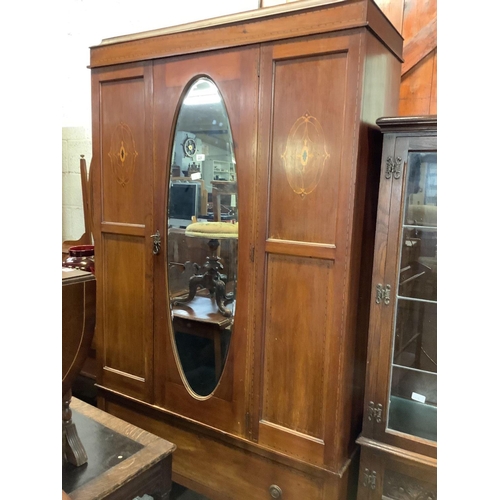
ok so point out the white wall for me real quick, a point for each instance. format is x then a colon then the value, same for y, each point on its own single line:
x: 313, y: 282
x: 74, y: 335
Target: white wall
x: 87, y: 23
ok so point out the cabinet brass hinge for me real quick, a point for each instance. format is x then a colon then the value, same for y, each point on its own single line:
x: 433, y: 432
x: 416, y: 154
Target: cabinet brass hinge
x: 369, y: 478
x: 375, y: 412
x: 393, y: 167
x: 383, y: 294
x: 252, y: 253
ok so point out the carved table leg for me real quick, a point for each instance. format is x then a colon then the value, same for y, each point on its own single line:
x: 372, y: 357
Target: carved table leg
x: 73, y: 450
x: 194, y: 282
x: 211, y: 280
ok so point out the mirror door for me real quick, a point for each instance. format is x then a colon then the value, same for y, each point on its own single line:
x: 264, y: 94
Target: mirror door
x: 205, y: 129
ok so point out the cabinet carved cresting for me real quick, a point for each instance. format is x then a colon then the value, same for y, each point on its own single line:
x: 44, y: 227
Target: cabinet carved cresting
x: 236, y: 172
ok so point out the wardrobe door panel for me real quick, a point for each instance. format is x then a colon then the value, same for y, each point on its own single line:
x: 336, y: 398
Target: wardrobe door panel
x: 122, y: 157
x: 235, y: 74
x: 123, y: 150
x: 291, y: 336
x: 308, y: 108
x: 308, y: 103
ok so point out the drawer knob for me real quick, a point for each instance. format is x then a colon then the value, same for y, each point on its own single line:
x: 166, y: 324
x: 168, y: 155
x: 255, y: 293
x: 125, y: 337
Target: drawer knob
x: 275, y: 491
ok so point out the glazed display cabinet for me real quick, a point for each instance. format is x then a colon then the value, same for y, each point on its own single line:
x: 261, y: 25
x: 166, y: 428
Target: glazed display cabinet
x: 236, y: 165
x: 399, y: 437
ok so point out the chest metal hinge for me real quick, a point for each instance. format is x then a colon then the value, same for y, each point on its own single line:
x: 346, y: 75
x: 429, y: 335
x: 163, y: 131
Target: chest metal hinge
x: 369, y: 478
x: 383, y: 294
x: 375, y: 412
x: 393, y: 167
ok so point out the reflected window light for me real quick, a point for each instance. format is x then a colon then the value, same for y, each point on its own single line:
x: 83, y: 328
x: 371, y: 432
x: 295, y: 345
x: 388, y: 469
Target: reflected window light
x: 202, y: 96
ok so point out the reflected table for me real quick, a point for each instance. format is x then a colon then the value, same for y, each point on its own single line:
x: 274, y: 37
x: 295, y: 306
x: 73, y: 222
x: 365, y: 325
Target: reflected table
x: 124, y: 461
x: 211, y: 279
x: 201, y: 317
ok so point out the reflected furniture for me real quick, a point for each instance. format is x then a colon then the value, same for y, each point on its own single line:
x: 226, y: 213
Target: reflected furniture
x: 124, y: 461
x: 203, y: 191
x: 78, y: 322
x: 212, y: 279
x: 221, y: 188
x: 202, y: 317
x: 302, y: 85
x: 399, y: 436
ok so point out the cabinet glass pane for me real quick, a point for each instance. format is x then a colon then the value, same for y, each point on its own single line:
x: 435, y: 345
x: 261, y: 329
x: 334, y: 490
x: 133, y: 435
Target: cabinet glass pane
x: 413, y: 389
x: 415, y: 342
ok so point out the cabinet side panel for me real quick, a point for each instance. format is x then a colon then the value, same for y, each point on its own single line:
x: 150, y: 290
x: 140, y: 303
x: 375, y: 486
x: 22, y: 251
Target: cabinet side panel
x: 308, y: 115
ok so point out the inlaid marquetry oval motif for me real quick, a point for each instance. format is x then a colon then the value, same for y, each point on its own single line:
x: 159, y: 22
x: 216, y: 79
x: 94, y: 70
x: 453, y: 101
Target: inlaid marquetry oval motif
x: 305, y: 155
x: 122, y: 153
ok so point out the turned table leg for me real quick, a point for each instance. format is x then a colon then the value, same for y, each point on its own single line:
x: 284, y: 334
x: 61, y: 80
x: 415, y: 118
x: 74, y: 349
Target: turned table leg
x: 72, y: 448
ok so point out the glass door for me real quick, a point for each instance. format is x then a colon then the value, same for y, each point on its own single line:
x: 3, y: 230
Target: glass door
x: 412, y: 391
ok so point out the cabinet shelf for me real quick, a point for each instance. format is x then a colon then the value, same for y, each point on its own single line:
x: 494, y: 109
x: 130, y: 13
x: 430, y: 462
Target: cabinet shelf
x: 413, y: 369
x: 416, y: 299
x: 418, y: 227
x: 411, y: 417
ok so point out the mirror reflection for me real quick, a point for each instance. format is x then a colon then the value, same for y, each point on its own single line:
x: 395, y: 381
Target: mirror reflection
x: 202, y: 219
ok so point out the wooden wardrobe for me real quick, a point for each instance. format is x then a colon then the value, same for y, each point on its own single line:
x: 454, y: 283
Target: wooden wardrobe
x: 283, y: 419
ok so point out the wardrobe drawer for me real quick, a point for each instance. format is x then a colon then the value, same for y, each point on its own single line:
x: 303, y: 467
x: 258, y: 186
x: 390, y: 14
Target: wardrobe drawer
x: 202, y: 463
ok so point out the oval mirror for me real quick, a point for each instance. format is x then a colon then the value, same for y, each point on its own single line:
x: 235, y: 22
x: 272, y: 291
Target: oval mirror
x: 202, y: 220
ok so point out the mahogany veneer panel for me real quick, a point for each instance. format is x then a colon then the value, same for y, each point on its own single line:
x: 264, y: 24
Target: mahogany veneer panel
x: 307, y: 126
x: 124, y: 158
x: 295, y: 340
x: 122, y: 294
x: 125, y: 291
